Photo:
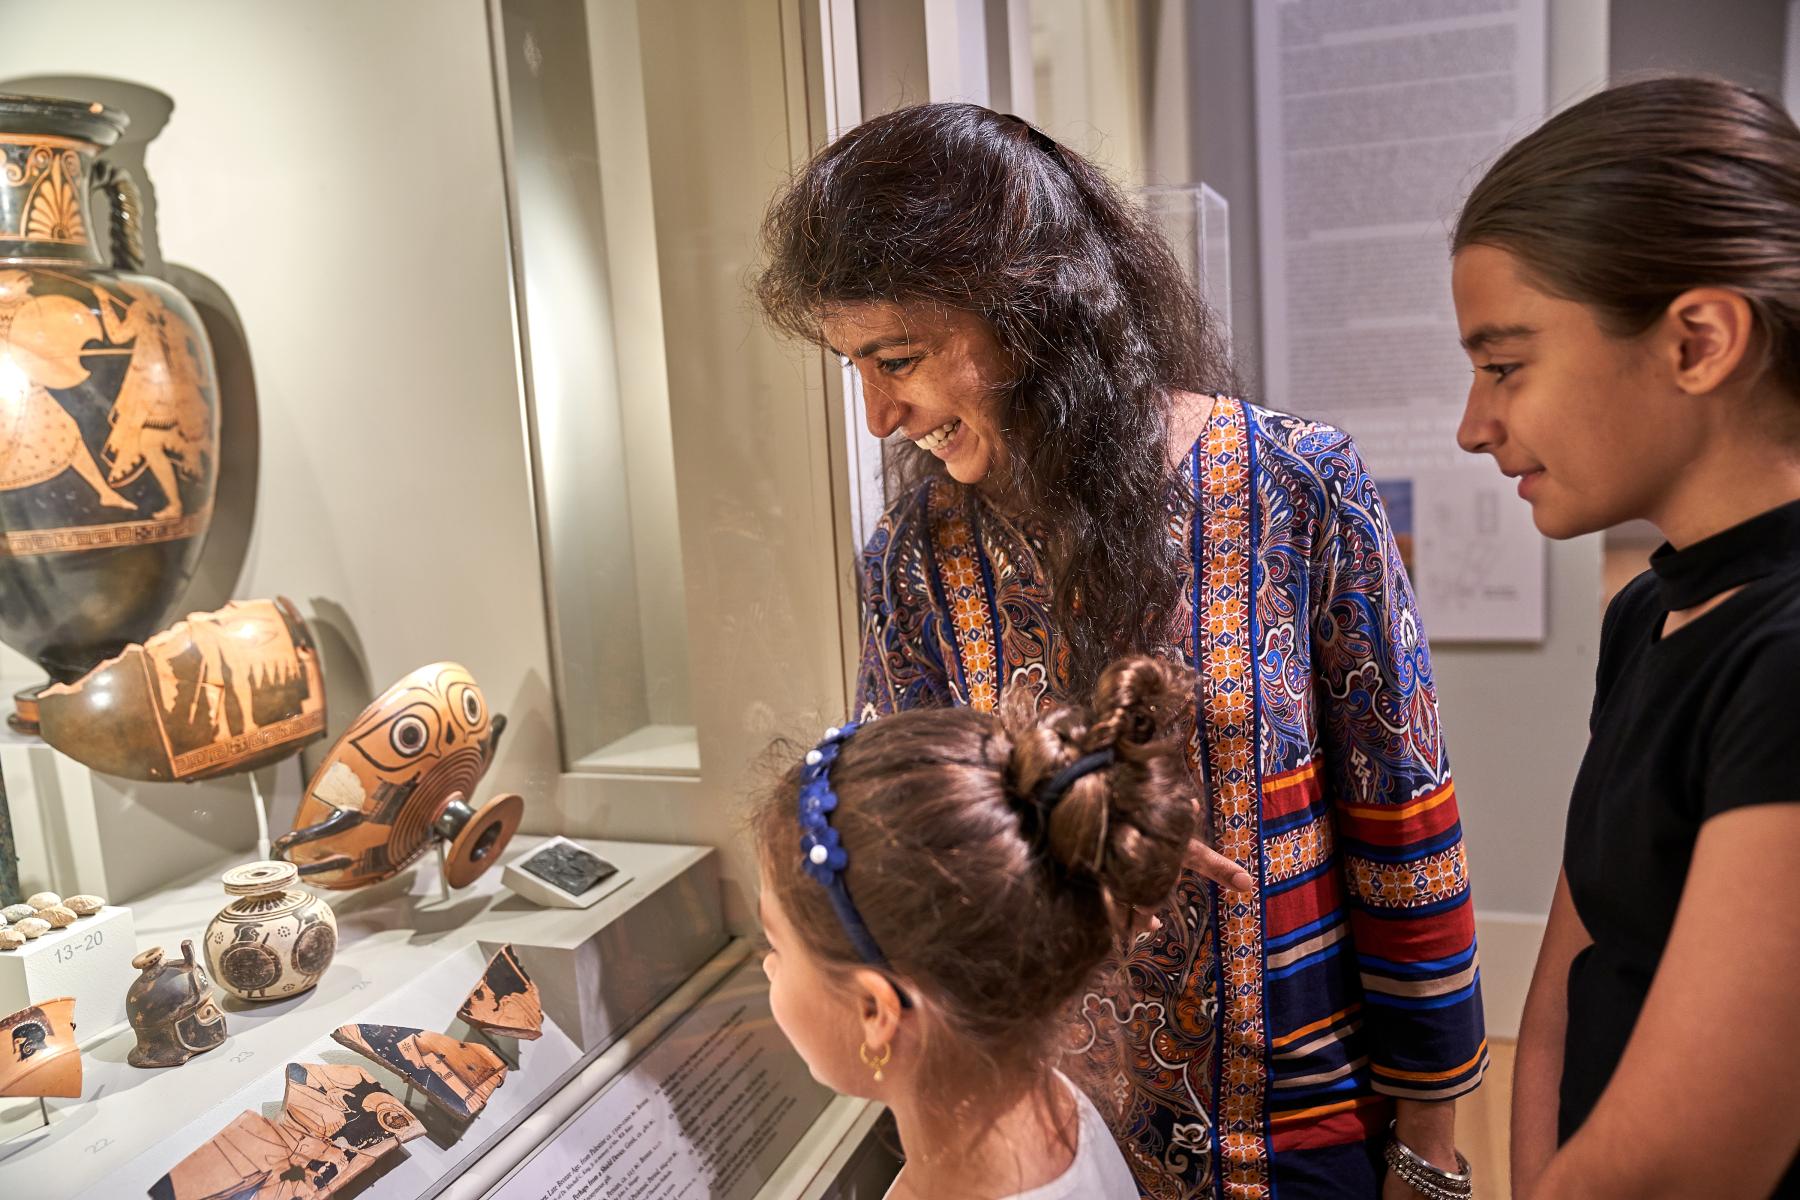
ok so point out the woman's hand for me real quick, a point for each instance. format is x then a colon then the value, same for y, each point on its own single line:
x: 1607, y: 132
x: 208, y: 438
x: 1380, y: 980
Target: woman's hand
x: 1538, y: 1061
x: 1428, y: 1129
x: 1204, y: 860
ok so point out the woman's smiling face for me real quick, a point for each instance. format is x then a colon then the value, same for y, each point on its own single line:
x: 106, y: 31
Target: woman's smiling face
x: 938, y: 375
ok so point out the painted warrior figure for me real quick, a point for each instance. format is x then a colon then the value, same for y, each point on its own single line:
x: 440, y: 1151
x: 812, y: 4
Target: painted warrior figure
x: 41, y: 338
x: 161, y: 419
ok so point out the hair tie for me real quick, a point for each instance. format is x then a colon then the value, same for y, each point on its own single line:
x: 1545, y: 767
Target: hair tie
x: 1051, y: 792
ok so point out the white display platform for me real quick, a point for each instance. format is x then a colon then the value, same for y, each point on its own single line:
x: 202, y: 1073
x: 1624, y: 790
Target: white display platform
x: 404, y: 957
x: 89, y: 960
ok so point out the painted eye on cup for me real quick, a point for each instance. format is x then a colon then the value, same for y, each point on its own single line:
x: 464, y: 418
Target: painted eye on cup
x: 408, y: 735
x: 471, y: 706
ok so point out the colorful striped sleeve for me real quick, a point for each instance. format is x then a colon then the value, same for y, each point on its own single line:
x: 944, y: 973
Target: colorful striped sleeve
x: 1399, y: 837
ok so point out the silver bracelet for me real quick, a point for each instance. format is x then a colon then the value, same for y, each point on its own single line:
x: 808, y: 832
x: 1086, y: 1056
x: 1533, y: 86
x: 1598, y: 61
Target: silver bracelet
x: 1432, y: 1182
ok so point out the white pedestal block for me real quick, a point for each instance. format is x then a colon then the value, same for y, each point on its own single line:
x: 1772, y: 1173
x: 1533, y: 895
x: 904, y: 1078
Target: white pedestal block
x: 90, y: 960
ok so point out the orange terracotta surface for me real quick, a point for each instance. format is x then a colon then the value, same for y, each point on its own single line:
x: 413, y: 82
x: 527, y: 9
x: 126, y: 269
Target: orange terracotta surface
x: 370, y: 808
x: 335, y: 1123
x: 213, y: 694
x: 506, y: 1001
x: 458, y: 1077
x: 38, y: 1055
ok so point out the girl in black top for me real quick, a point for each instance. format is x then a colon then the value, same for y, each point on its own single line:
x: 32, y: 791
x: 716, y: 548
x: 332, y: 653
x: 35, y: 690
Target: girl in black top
x: 1627, y: 284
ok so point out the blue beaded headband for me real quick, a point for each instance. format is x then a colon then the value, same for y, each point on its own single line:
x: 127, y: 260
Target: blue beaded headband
x: 823, y: 854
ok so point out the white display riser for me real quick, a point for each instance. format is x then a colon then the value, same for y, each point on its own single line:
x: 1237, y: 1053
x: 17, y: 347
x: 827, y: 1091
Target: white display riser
x: 601, y: 970
x: 90, y: 960
x: 79, y: 831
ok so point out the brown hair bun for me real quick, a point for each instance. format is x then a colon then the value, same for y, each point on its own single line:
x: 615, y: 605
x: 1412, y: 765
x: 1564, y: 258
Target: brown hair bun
x: 1128, y: 825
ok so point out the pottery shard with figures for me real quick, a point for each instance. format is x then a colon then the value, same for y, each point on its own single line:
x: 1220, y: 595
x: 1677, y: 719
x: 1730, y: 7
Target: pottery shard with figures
x: 335, y: 1123
x: 214, y: 694
x: 38, y: 1055
x: 456, y: 1076
x: 506, y: 1001
x: 109, y: 414
x: 275, y: 939
x: 402, y: 777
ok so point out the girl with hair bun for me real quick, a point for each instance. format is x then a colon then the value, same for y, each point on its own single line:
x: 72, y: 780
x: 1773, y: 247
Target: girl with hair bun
x: 1627, y: 283
x: 940, y: 885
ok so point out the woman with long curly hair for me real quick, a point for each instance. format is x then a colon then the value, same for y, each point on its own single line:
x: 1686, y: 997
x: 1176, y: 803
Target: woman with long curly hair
x: 1080, y: 486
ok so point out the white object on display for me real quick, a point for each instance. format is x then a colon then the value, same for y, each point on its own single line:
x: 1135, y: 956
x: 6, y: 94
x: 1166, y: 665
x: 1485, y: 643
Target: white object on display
x: 89, y: 960
x: 1373, y: 120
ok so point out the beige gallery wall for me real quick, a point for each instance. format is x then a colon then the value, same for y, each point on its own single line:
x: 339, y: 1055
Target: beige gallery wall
x: 334, y: 170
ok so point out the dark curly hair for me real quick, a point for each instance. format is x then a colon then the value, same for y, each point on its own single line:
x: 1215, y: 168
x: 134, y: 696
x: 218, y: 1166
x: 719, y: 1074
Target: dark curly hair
x: 957, y: 205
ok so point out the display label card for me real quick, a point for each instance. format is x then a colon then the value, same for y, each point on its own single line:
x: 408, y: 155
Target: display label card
x: 709, y: 1111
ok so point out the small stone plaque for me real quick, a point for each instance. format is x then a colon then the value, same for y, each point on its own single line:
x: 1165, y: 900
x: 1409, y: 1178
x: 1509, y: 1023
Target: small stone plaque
x: 561, y: 874
x: 569, y: 867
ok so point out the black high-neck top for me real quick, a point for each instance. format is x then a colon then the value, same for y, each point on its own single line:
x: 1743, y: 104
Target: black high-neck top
x: 1684, y: 728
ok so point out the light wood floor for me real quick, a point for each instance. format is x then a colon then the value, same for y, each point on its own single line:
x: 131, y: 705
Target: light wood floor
x: 1481, y: 1124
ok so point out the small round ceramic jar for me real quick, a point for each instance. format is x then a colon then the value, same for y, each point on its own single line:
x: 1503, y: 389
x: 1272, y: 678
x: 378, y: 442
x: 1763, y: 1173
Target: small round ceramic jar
x: 275, y: 939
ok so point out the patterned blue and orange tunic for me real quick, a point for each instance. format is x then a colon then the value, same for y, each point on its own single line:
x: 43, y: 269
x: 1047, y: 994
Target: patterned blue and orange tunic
x: 1257, y: 1040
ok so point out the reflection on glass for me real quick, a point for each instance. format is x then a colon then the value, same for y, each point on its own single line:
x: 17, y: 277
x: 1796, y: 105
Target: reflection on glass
x: 596, y: 385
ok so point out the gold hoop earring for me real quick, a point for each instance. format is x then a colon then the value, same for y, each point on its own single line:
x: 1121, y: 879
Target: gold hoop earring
x: 876, y: 1063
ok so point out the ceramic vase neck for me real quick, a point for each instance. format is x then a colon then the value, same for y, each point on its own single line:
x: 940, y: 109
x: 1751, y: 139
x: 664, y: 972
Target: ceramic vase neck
x: 48, y: 153
x: 46, y: 212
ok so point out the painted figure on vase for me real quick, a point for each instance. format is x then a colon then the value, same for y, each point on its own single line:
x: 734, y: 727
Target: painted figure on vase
x: 214, y: 694
x: 38, y: 1055
x: 109, y: 425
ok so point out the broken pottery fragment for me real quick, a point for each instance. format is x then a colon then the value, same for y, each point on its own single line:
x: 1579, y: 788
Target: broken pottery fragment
x: 11, y: 939
x: 458, y: 1077
x: 335, y: 1123
x: 38, y: 1055
x: 213, y: 694
x: 506, y: 1001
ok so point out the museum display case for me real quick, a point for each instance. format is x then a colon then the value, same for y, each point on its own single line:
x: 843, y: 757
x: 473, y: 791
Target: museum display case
x: 396, y: 337
x: 410, y: 346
